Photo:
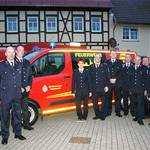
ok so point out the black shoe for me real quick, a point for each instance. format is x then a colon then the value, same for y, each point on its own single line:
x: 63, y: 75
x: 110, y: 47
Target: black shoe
x: 140, y: 122
x: 79, y: 118
x: 28, y: 128
x: 84, y: 118
x: 118, y: 114
x: 4, y: 141
x: 108, y: 114
x: 20, y: 137
x: 102, y: 118
x: 125, y: 113
x: 132, y: 114
x: 95, y: 118
x: 134, y: 119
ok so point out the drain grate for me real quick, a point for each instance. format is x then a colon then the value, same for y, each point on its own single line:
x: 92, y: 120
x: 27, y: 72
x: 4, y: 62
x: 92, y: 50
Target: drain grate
x: 80, y: 140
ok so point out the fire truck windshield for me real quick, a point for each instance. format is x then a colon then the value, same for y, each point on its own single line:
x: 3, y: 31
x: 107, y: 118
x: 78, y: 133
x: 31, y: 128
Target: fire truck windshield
x: 31, y: 55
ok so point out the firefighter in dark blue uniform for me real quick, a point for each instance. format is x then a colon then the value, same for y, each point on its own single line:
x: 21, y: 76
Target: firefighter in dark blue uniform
x: 26, y: 85
x: 0, y: 119
x: 10, y: 95
x: 148, y: 89
x: 114, y: 66
x: 125, y: 85
x: 81, y: 89
x: 145, y: 68
x: 137, y: 89
x: 99, y: 78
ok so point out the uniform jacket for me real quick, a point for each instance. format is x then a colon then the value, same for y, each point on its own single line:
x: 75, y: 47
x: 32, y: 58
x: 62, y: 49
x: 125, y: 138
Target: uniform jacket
x: 10, y: 81
x: 99, y: 77
x: 137, y: 80
x: 125, y: 72
x: 26, y: 72
x: 115, y: 70
x: 148, y: 80
x: 81, y: 82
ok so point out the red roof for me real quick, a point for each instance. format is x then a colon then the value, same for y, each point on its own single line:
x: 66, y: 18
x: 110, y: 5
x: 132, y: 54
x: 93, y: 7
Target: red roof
x: 57, y: 3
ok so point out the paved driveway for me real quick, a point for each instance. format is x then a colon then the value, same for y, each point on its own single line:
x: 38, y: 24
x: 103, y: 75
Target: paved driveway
x: 64, y: 132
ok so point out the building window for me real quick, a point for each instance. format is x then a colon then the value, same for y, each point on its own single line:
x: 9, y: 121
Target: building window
x: 96, y: 24
x: 51, y: 24
x: 78, y: 24
x: 32, y: 24
x: 12, y: 24
x: 130, y: 33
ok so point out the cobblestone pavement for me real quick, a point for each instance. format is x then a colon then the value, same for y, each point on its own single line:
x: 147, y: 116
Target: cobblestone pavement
x: 55, y: 133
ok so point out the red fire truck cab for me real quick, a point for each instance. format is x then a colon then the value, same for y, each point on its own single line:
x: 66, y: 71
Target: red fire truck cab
x: 52, y: 82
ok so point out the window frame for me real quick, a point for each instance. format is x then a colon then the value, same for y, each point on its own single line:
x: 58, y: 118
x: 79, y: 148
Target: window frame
x: 100, y: 24
x: 77, y: 16
x: 46, y: 23
x: 37, y: 17
x: 47, y: 58
x: 17, y: 23
x: 130, y: 39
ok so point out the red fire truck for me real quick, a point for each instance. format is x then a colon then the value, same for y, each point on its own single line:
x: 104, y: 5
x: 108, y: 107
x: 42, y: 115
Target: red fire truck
x: 52, y: 83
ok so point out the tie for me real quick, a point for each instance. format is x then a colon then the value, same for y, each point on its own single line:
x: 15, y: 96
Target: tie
x: 12, y: 64
x: 81, y: 71
x: 97, y: 65
x: 136, y: 67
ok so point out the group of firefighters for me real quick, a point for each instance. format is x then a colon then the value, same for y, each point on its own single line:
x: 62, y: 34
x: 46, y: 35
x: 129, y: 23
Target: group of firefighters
x: 15, y: 84
x: 112, y: 79
x: 102, y: 80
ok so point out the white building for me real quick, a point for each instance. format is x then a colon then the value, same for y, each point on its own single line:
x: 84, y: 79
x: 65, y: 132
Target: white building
x: 130, y: 25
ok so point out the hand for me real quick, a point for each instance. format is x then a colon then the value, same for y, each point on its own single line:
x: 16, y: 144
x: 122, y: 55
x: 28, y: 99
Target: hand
x: 73, y: 94
x: 22, y: 90
x: 27, y: 88
x: 112, y: 81
x: 145, y: 93
x: 90, y: 94
x: 106, y: 89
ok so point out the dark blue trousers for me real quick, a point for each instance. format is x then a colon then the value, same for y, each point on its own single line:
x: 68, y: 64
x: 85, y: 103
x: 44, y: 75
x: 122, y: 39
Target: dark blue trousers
x: 138, y: 102
x: 103, y: 111
x: 15, y: 107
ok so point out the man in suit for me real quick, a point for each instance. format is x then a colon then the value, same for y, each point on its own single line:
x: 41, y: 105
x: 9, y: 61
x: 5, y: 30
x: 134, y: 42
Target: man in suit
x: 81, y: 89
x: 148, y: 89
x: 145, y: 68
x: 10, y: 95
x: 26, y: 85
x: 114, y: 66
x: 138, y: 89
x: 99, y: 78
x: 125, y: 85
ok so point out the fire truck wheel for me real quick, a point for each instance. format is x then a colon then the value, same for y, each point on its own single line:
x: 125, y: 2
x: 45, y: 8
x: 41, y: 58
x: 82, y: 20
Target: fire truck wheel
x: 33, y: 110
x: 122, y: 105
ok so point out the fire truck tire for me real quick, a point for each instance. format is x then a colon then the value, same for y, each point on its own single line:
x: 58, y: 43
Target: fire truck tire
x: 33, y: 110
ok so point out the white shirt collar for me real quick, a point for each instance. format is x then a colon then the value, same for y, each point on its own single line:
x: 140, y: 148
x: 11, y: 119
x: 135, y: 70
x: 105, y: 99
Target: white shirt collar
x: 97, y: 64
x: 20, y: 59
x: 81, y: 70
x: 113, y: 60
x: 128, y: 64
x: 10, y: 61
